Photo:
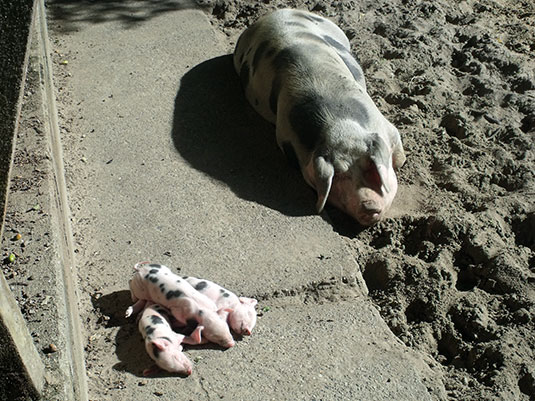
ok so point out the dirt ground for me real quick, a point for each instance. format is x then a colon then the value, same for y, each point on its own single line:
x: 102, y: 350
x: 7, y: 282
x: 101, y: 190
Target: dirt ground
x: 456, y: 280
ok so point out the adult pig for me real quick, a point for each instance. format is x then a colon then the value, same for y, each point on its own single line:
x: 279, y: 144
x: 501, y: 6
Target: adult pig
x: 162, y: 344
x: 238, y: 311
x: 158, y: 284
x: 297, y: 71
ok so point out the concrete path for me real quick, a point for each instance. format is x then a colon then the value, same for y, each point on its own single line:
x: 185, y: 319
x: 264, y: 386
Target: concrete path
x: 166, y: 162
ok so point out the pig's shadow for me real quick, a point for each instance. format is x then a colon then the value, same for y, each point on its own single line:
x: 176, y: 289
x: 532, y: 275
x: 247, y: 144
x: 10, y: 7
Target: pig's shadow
x: 217, y: 132
x: 129, y: 345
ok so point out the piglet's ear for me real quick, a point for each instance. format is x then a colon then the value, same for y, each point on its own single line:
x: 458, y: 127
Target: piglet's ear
x: 250, y: 301
x: 324, y: 173
x: 161, y: 343
x: 223, y: 311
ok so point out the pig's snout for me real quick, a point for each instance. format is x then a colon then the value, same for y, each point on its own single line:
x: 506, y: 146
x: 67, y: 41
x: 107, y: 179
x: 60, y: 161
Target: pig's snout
x: 370, y: 212
x: 246, y: 332
x: 188, y: 371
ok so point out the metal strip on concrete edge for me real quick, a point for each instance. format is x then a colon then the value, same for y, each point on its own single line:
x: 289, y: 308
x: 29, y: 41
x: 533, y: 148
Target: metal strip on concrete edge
x: 68, y: 273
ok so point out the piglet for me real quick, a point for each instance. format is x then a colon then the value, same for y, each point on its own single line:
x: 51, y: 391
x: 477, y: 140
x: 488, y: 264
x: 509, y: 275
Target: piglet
x: 162, y: 343
x: 156, y: 283
x: 238, y: 311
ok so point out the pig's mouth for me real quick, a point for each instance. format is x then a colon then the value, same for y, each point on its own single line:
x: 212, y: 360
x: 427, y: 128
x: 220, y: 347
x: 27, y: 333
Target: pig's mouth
x: 368, y: 213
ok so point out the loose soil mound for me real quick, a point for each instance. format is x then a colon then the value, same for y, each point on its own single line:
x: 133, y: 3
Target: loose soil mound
x: 453, y: 268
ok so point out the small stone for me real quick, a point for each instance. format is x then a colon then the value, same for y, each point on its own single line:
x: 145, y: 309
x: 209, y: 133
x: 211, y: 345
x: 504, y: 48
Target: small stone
x: 50, y: 349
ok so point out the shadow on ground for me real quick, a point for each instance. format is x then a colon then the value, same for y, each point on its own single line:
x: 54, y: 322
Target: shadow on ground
x: 129, y: 345
x: 70, y: 14
x: 218, y: 133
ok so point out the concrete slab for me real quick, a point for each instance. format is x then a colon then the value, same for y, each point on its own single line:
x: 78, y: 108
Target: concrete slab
x: 166, y: 162
x: 171, y: 168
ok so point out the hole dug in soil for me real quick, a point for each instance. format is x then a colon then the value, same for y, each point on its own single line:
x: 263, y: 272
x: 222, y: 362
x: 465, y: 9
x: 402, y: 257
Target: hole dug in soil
x: 462, y: 294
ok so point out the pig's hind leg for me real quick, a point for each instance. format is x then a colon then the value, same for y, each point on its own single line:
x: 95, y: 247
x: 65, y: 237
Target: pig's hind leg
x: 136, y: 308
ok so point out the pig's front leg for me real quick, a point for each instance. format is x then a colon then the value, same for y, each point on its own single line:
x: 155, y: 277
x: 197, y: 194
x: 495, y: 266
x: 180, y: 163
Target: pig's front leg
x: 136, y: 308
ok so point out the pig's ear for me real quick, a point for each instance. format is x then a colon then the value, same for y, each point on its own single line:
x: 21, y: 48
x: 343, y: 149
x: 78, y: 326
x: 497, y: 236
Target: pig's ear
x: 195, y: 337
x: 398, y: 154
x: 221, y: 312
x: 379, y: 153
x: 250, y: 301
x: 324, y: 173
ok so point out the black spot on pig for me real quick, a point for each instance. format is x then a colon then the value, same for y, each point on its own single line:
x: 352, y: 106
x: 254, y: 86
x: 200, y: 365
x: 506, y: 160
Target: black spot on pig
x: 334, y: 43
x: 295, y: 23
x: 160, y: 309
x: 226, y: 294
x: 166, y: 338
x: 162, y: 287
x: 174, y: 294
x: 155, y: 266
x: 153, y: 271
x: 153, y: 279
x: 149, y: 330
x: 270, y: 52
x: 200, y: 313
x: 355, y: 110
x: 156, y: 319
x: 201, y: 285
x: 274, y: 94
x: 185, y: 277
x: 259, y: 53
x: 156, y: 351
x: 307, y: 120
x: 310, y: 37
x: 244, y: 75
x: 290, y: 154
x: 291, y: 55
x: 309, y: 17
x: 310, y: 114
x: 353, y: 67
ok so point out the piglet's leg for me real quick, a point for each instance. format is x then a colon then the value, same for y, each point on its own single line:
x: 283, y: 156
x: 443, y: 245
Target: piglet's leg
x: 153, y: 370
x: 136, y: 308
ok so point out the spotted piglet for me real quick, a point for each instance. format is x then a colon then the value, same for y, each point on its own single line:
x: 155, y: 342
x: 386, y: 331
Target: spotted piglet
x: 240, y: 310
x: 297, y: 72
x: 156, y: 283
x: 162, y: 344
